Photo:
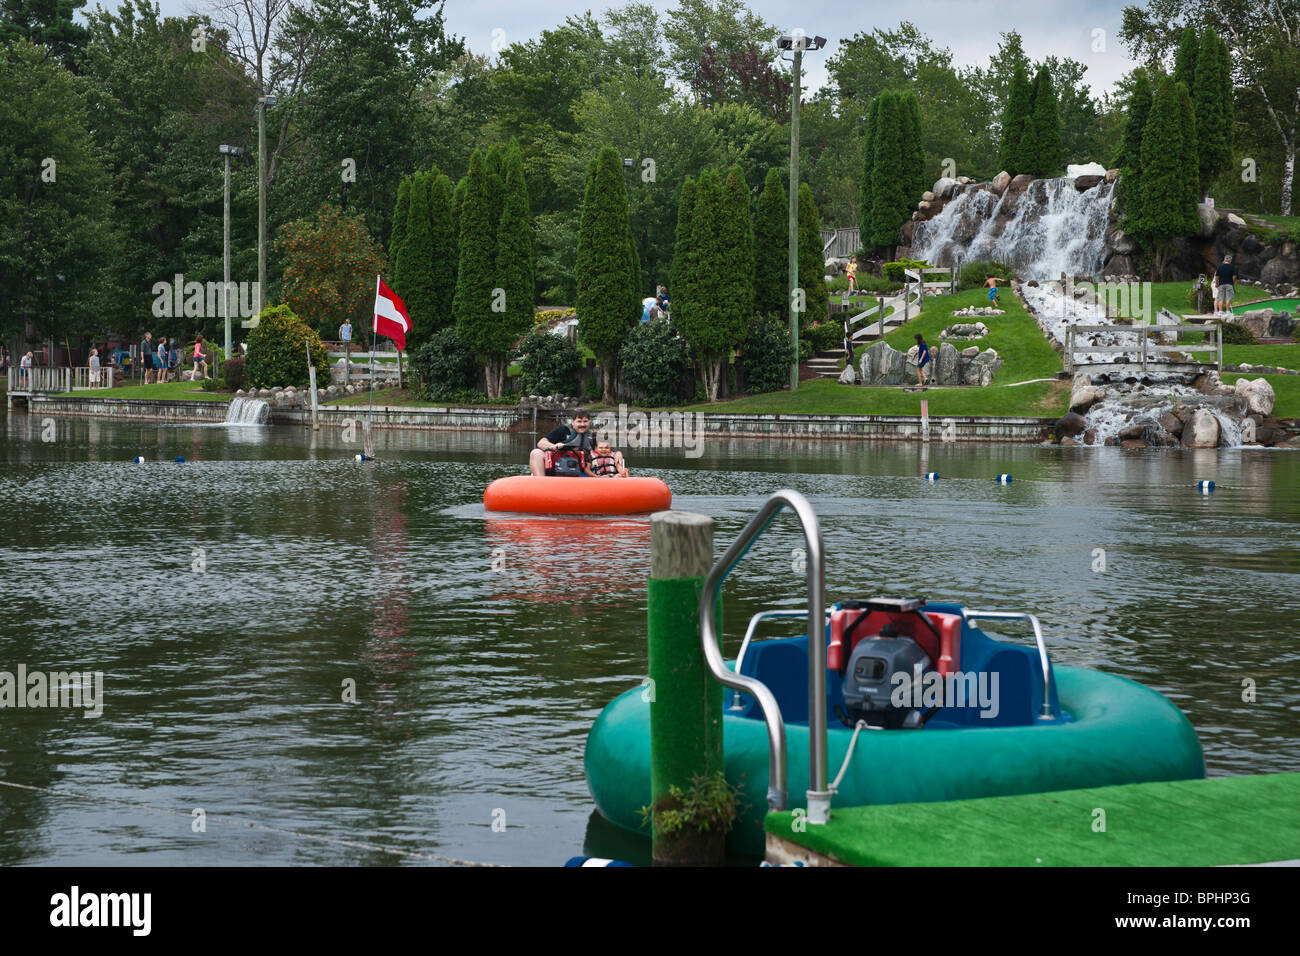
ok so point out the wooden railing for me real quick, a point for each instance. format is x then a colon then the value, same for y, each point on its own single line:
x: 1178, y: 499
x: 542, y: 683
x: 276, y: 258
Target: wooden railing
x: 1149, y: 354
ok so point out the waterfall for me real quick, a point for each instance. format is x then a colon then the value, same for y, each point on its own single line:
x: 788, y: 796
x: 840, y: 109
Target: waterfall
x: 1048, y: 229
x: 247, y: 411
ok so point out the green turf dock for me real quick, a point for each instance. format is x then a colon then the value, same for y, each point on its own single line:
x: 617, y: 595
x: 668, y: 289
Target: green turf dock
x: 1209, y: 822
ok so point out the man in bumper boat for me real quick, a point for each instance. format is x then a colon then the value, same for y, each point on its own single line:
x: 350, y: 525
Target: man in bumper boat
x: 565, y: 450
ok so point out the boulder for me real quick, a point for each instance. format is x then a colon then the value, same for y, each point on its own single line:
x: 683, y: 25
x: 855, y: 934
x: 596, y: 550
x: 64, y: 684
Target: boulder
x: 1122, y: 243
x: 927, y: 196
x: 1084, y: 183
x: 1074, y: 171
x: 1171, y: 423
x: 1000, y: 183
x: 1090, y: 436
x: 1258, y: 394
x: 848, y: 376
x: 1137, y: 429
x: 990, y: 358
x: 1250, y: 244
x: 1069, y: 424
x: 1134, y: 443
x: 1235, y: 220
x: 923, y: 206
x: 1082, y: 399
x: 1279, y: 270
x: 881, y: 364
x: 947, y: 365
x: 1112, y: 175
x: 1282, y: 325
x: 907, y: 232
x: 1256, y: 322
x: 944, y: 186
x: 970, y: 352
x: 1068, y: 442
x: 1201, y: 430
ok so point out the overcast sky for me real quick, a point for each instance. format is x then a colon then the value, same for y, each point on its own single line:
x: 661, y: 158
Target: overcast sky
x: 970, y: 28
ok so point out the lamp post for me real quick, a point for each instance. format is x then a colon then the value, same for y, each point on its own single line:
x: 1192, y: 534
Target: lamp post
x: 795, y: 44
x: 227, y: 152
x: 262, y: 103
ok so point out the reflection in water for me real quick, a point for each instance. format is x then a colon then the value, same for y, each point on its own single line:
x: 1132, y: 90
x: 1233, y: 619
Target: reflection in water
x: 565, y: 559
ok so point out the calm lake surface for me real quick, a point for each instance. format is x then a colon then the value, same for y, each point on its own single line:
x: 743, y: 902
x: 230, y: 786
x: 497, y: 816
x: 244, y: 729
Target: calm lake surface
x: 228, y: 600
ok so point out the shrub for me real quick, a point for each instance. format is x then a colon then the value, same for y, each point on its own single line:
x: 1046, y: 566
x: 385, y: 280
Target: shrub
x: 655, y: 361
x: 278, y: 349
x: 893, y: 271
x: 550, y: 315
x: 826, y: 336
x: 765, y: 356
x: 805, y: 351
x: 548, y: 364
x: 446, y: 369
x: 1236, y: 334
x: 232, y: 373
x: 973, y: 273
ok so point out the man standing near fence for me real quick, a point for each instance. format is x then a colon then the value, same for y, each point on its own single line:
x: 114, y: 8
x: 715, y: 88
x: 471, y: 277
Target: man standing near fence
x: 146, y: 357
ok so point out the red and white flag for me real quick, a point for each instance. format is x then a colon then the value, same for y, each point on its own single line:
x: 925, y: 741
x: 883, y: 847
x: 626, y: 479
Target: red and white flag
x: 391, y: 317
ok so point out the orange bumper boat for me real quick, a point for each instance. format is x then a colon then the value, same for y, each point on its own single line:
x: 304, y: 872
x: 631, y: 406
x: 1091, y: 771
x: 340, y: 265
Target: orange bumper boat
x: 529, y: 494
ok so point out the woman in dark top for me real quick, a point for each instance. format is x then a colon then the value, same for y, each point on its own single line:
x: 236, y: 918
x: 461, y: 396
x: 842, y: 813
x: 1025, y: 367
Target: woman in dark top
x: 922, y: 359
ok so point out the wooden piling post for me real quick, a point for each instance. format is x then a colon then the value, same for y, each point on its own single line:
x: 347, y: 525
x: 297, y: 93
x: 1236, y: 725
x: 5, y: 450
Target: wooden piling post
x: 685, y: 700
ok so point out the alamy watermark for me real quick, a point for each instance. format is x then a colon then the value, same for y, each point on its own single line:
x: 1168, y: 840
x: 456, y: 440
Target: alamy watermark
x: 199, y: 300
x: 1132, y: 299
x: 79, y: 690
x: 957, y: 689
x: 652, y: 430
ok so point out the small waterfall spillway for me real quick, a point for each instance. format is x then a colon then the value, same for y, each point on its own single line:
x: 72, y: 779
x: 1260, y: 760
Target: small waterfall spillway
x: 1046, y: 229
x: 247, y: 411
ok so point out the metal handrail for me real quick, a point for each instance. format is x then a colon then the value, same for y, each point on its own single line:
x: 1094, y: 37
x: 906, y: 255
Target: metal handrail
x: 819, y: 796
x: 969, y: 615
x: 768, y: 615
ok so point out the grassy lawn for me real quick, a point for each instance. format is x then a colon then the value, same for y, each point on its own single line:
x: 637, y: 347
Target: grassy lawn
x: 1173, y: 296
x: 383, y: 396
x: 1285, y: 387
x: 1280, y: 223
x: 167, y: 391
x: 1282, y: 356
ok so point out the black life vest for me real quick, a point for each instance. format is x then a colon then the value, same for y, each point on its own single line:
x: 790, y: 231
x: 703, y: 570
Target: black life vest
x: 570, y: 461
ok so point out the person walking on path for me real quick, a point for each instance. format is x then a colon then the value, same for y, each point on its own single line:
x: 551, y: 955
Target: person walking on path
x: 1226, y: 277
x: 922, y: 360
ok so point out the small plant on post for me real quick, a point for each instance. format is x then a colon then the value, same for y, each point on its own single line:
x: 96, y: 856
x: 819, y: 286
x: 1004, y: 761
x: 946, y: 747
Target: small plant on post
x: 699, y: 817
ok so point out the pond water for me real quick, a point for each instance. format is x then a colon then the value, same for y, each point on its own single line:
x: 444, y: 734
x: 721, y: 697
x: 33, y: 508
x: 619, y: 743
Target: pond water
x: 229, y: 600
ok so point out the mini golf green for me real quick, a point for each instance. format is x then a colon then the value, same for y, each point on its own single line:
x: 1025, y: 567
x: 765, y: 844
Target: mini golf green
x: 1277, y: 305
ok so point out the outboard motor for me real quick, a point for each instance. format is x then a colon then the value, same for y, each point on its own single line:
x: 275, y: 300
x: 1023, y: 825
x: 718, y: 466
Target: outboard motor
x: 882, y: 668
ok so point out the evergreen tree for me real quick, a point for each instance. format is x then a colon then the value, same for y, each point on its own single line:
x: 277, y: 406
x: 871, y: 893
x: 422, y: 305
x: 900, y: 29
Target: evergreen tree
x: 1191, y: 161
x: 704, y: 321
x: 472, y: 306
x: 1213, y: 132
x: 443, y: 246
x: 395, y: 238
x: 1185, y: 59
x: 1161, y: 209
x: 1040, y: 147
x: 812, y: 267
x: 1227, y: 108
x: 1014, y: 117
x: 913, y: 164
x: 1139, y: 108
x: 772, y: 247
x: 682, y: 272
x: 494, y: 164
x: 514, y: 271
x: 607, y: 269
x: 736, y: 292
x: 866, y: 195
x: 1129, y: 161
x: 457, y: 200
x: 889, y: 205
x: 415, y: 263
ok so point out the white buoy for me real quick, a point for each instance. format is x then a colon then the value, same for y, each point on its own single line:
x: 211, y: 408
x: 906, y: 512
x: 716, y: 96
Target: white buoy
x: 138, y: 460
x: 364, y: 457
x: 931, y: 476
x: 1205, y: 487
x: 1004, y: 479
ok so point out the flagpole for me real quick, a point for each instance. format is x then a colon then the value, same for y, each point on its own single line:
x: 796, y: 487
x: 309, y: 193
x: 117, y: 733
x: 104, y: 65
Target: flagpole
x: 374, y: 322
